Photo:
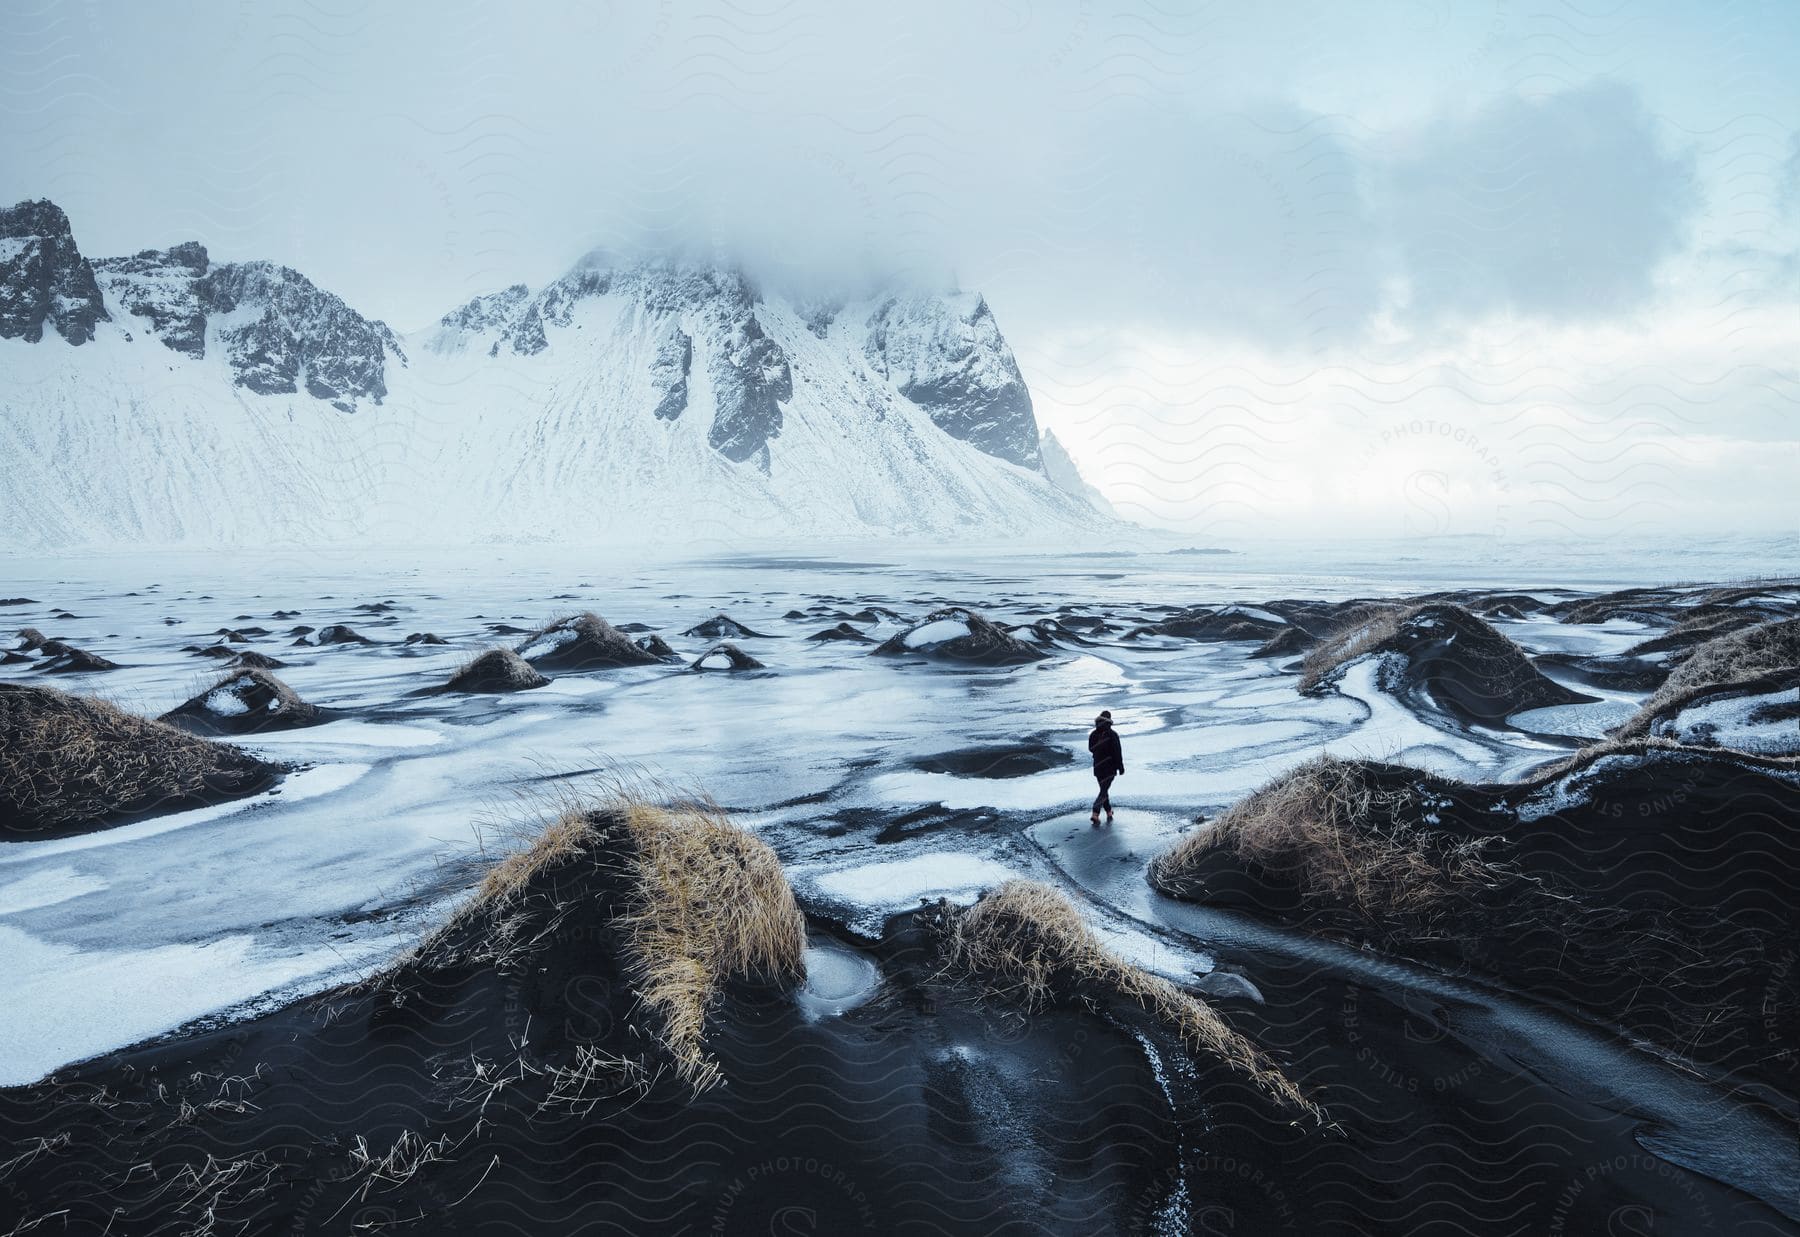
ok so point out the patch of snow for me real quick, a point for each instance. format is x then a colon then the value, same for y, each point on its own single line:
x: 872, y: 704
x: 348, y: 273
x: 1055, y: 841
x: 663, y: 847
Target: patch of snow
x: 940, y: 632
x: 1741, y: 723
x: 548, y: 642
x: 66, y: 1004
x: 47, y: 887
x: 223, y: 700
x: 348, y: 733
x: 884, y: 888
x: 1581, y: 721
x: 1393, y: 733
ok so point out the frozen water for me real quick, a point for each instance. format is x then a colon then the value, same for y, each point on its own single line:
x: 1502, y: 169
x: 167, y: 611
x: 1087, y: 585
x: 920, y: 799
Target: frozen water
x: 394, y: 806
x: 46, y: 887
x: 1765, y: 723
x: 876, y: 890
x: 1581, y: 721
x: 837, y: 979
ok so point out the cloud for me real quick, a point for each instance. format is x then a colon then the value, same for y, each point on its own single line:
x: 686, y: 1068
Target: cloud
x: 1561, y: 207
x: 1248, y: 224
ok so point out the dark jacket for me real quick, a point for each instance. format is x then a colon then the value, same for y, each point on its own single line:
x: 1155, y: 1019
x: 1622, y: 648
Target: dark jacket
x: 1109, y: 757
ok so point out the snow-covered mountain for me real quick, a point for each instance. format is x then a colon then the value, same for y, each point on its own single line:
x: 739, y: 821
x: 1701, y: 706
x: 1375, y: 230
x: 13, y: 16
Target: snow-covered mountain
x: 162, y: 398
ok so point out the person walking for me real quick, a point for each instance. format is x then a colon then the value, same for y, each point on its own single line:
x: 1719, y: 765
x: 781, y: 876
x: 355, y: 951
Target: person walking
x: 1109, y: 762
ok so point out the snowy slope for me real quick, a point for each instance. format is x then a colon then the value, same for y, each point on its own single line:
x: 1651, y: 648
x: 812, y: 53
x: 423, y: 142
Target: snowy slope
x: 1063, y: 472
x: 240, y: 404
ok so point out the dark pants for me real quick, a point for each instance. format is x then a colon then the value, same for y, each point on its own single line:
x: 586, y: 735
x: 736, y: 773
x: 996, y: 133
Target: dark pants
x: 1103, y: 799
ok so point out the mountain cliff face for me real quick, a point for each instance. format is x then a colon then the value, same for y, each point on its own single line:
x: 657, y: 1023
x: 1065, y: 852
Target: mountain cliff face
x: 279, y: 333
x: 651, y: 399
x: 158, y: 286
x: 946, y: 354
x: 44, y: 280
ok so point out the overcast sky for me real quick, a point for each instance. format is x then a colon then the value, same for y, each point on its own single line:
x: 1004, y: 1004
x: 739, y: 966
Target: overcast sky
x: 1394, y: 268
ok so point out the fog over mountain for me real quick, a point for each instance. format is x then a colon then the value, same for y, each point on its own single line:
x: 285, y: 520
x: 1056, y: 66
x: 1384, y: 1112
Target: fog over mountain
x: 648, y: 400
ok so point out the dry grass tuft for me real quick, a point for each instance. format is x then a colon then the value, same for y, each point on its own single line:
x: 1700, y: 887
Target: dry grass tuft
x: 711, y: 905
x: 705, y: 905
x: 1739, y: 656
x: 73, y: 761
x: 1026, y: 942
x: 1332, y: 830
x: 495, y: 670
x: 1369, y: 627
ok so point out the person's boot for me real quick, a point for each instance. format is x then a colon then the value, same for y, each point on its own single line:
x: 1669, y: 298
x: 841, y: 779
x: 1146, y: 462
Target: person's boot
x: 1109, y: 816
x: 1094, y: 819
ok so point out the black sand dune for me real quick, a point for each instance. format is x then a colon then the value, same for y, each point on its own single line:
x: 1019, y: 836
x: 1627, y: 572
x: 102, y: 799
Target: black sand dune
x: 339, y: 633
x: 1765, y: 654
x: 532, y: 1069
x: 1649, y: 886
x: 1447, y: 659
x: 723, y: 627
x: 726, y: 656
x: 497, y: 670
x: 1288, y: 642
x: 1616, y: 673
x: 69, y: 764
x: 1051, y: 633
x: 657, y: 647
x: 843, y: 631
x: 63, y: 658
x: 1223, y: 623
x: 582, y: 642
x: 960, y: 635
x: 245, y: 702
x: 1769, y: 706
x: 1003, y: 761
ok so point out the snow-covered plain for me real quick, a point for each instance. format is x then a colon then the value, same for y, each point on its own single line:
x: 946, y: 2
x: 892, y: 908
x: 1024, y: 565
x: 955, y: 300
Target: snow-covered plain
x: 393, y: 807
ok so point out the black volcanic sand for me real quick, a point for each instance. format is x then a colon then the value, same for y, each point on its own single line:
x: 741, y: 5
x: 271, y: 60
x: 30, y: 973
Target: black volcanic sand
x: 1440, y: 1132
x: 917, y: 1112
x: 1007, y: 760
x: 1456, y: 662
x: 921, y: 1112
x: 263, y: 702
x: 985, y: 643
x: 70, y: 765
x: 1653, y: 892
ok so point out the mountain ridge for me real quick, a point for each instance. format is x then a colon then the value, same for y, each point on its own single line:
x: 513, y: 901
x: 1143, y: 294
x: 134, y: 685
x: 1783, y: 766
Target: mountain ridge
x: 652, y: 398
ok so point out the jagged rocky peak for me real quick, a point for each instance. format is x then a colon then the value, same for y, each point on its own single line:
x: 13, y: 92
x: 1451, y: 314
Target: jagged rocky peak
x: 694, y: 312
x: 282, y: 334
x: 489, y: 312
x: 669, y: 373
x: 44, y: 278
x: 750, y: 376
x: 158, y: 286
x: 946, y: 354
